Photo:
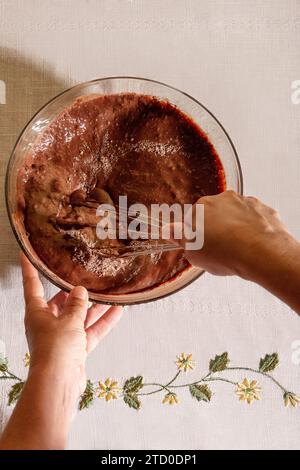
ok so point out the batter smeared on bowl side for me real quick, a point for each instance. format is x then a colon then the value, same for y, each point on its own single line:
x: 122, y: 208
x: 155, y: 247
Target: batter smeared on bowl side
x: 99, y: 148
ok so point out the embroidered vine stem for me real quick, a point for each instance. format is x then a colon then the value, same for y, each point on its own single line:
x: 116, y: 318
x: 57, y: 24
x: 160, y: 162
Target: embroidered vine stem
x: 169, y: 387
x: 221, y: 379
x: 261, y: 373
x: 162, y: 387
x: 208, y: 378
x: 10, y: 376
x: 133, y: 389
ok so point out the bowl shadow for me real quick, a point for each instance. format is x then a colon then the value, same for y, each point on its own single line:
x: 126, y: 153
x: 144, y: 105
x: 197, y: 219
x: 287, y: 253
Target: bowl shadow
x: 25, y: 86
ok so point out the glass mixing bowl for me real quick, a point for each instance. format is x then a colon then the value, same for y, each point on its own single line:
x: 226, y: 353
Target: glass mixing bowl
x: 199, y: 114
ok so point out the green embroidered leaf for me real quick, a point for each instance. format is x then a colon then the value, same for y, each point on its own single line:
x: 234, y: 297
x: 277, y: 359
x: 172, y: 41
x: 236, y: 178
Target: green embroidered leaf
x: 87, y: 397
x: 269, y: 362
x: 219, y: 363
x: 201, y: 392
x: 133, y: 385
x: 3, y: 364
x: 15, y: 392
x: 132, y: 401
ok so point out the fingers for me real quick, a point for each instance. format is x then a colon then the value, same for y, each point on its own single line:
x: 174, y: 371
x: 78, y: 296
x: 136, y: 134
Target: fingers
x: 94, y: 313
x: 102, y: 327
x: 57, y: 302
x: 33, y: 288
x: 256, y: 203
x: 77, y: 303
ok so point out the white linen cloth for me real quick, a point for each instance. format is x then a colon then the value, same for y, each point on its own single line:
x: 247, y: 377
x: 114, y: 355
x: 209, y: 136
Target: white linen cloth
x: 238, y: 58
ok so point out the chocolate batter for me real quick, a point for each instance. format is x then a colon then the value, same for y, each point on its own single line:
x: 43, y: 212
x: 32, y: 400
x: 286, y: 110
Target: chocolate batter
x: 97, y: 149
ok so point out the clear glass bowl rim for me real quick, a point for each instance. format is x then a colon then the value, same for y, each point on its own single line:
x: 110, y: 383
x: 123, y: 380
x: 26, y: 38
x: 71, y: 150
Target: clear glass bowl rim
x: 11, y: 161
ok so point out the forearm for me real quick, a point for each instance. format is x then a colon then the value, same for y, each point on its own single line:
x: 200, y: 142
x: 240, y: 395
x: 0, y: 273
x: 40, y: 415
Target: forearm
x: 42, y: 416
x: 275, y: 265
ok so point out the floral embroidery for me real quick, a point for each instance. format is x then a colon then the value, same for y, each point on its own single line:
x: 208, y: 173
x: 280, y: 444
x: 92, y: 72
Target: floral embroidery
x: 26, y: 360
x: 135, y: 389
x: 248, y: 391
x: 185, y: 362
x: 108, y: 389
x: 291, y: 399
x: 171, y: 399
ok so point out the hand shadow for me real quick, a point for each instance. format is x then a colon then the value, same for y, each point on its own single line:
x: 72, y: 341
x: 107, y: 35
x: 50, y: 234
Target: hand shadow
x: 28, y: 86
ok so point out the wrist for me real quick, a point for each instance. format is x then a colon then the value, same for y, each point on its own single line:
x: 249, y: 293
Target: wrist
x: 47, y: 405
x: 57, y: 361
x: 66, y: 383
x: 269, y: 259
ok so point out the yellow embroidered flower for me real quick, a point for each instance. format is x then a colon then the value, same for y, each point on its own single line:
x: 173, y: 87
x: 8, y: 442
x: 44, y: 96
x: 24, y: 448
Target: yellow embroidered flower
x: 171, y: 399
x: 26, y: 360
x: 291, y: 399
x: 248, y: 391
x: 108, y: 389
x: 185, y: 362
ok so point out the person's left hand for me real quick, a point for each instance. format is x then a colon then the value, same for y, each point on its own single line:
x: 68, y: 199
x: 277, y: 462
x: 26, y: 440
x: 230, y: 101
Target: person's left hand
x: 63, y: 331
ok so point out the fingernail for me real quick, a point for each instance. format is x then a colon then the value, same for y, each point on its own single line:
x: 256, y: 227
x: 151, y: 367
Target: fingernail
x: 80, y: 293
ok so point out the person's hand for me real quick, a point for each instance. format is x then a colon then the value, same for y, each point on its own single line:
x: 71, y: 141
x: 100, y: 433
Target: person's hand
x: 63, y: 331
x: 238, y: 231
x: 60, y: 334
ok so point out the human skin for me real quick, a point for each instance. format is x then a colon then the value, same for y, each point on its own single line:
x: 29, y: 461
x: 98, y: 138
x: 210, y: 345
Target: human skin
x: 122, y: 144
x: 244, y: 237
x: 60, y: 335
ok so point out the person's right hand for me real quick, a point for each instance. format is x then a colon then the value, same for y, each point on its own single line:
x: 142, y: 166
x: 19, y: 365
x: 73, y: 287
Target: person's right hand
x: 237, y: 232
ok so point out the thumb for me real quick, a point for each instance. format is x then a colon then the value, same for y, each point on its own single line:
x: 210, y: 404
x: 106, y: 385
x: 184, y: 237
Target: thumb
x: 177, y: 236
x: 77, y: 303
